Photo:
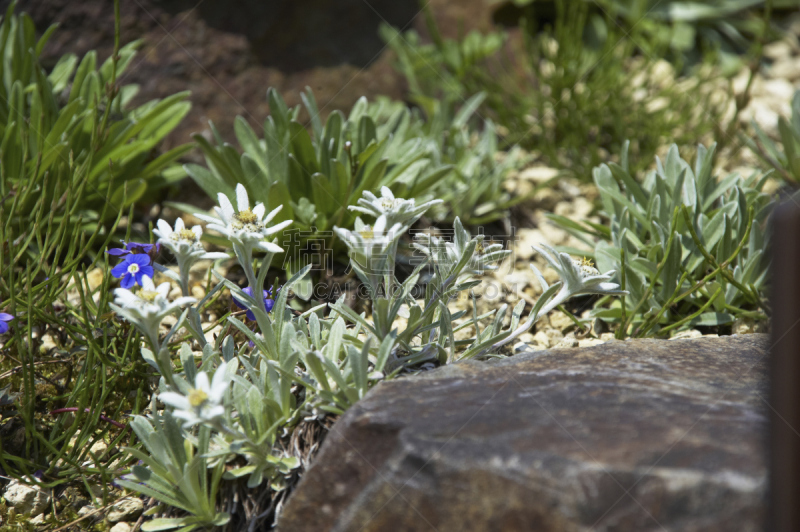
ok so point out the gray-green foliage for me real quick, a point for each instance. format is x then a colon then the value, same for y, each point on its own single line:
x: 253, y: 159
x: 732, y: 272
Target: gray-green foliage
x: 690, y: 248
x: 474, y: 192
x: 174, y: 470
x: 317, y: 175
x: 784, y: 156
x: 304, y: 366
x: 75, y: 118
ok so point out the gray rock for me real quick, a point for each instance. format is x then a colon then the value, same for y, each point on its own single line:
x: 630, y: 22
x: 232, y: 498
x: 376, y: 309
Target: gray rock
x: 125, y: 510
x: 26, y: 499
x: 636, y: 435
x: 86, y: 510
x: 121, y: 527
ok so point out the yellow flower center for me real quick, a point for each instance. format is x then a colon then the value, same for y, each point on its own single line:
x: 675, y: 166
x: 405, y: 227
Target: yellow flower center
x: 246, y: 217
x: 479, y: 249
x: 587, y: 262
x: 148, y: 295
x: 367, y: 233
x: 185, y: 234
x: 197, y: 398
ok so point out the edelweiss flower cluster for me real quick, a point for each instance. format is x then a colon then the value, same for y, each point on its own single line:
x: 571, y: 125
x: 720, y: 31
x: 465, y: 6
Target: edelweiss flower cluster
x: 204, y: 402
x: 185, y: 245
x: 396, y: 210
x: 446, y: 254
x: 579, y: 276
x: 242, y: 226
x: 369, y: 244
x: 147, y: 307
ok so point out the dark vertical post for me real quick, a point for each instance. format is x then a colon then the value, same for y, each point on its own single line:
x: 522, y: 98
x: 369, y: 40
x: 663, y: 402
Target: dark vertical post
x: 784, y: 486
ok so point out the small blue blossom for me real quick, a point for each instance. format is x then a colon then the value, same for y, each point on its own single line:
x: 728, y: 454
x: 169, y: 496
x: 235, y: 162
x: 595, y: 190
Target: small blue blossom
x: 132, y: 269
x: 134, y: 248
x: 4, y: 319
x: 268, y: 303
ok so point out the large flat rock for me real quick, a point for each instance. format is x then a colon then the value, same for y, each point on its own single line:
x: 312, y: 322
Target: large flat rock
x: 636, y: 435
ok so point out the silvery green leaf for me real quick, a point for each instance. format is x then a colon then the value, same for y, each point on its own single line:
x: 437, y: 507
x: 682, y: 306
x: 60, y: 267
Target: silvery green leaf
x: 709, y: 319
x: 187, y: 361
x: 359, y: 361
x: 497, y: 323
x: 148, y: 357
x: 314, y: 331
x: 516, y: 314
x: 167, y: 272
x: 384, y: 351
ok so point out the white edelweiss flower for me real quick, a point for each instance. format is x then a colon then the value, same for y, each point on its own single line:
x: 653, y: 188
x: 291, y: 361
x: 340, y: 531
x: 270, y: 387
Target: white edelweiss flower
x: 447, y: 254
x: 243, y: 226
x: 368, y: 243
x: 204, y: 402
x: 148, y: 306
x: 396, y: 210
x: 586, y: 267
x: 579, y: 277
x: 184, y: 243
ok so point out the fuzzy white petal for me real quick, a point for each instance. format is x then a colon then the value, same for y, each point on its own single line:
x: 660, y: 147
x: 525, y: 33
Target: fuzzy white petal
x: 270, y: 247
x: 175, y: 400
x: 181, y: 301
x: 147, y: 284
x: 201, y: 382
x: 125, y: 297
x: 242, y: 201
x: 164, y: 228
x: 219, y: 383
x: 225, y: 208
x: 272, y: 214
x: 277, y: 227
x: 393, y: 231
x: 380, y: 225
x: 163, y: 289
x: 259, y: 210
x: 206, y: 217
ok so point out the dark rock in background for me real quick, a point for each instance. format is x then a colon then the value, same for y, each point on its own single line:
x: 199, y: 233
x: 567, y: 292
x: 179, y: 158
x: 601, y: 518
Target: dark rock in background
x: 637, y: 435
x: 228, y: 53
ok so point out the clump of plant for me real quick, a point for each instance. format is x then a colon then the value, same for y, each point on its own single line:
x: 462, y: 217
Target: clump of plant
x: 688, y: 32
x: 690, y: 248
x: 572, y: 90
x: 475, y: 190
x: 784, y: 156
x: 318, y: 175
x: 73, y: 158
x: 230, y: 405
x: 77, y: 117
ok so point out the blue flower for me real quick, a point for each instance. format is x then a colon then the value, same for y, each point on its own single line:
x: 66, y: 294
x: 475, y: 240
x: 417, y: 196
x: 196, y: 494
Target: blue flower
x: 268, y: 303
x: 133, y: 248
x: 4, y: 319
x: 132, y: 269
